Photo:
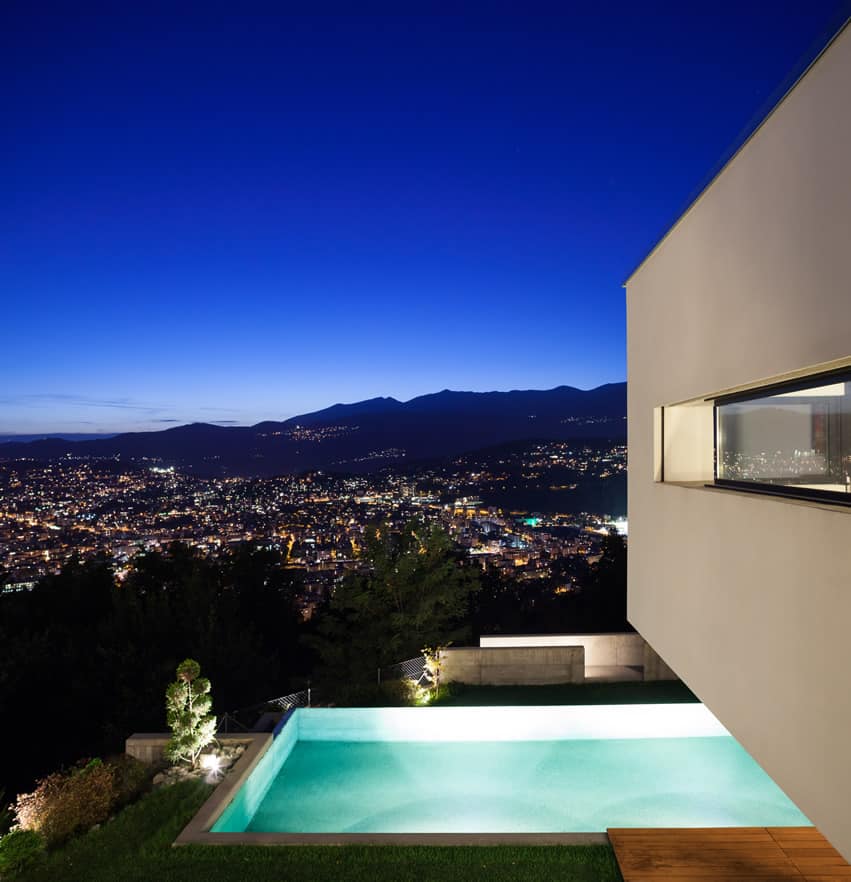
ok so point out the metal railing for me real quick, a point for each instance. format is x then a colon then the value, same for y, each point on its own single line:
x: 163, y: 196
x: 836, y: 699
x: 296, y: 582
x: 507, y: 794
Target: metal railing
x: 228, y: 723
x: 412, y: 669
x: 294, y: 699
x: 233, y: 721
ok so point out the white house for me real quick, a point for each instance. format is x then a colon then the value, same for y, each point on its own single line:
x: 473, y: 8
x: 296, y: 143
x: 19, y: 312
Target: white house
x: 739, y: 371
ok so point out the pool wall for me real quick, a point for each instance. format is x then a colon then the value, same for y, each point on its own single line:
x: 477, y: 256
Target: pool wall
x: 241, y: 809
x: 535, y: 723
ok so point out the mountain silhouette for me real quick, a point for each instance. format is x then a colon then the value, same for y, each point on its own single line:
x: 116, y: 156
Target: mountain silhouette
x: 363, y: 436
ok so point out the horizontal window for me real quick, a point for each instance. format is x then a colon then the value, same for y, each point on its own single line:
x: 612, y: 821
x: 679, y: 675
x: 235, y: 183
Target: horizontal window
x: 793, y: 439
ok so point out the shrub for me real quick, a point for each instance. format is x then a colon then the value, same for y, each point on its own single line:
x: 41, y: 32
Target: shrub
x: 33, y: 809
x: 66, y: 803
x: 19, y: 850
x: 395, y: 693
x: 188, y: 705
x: 130, y: 779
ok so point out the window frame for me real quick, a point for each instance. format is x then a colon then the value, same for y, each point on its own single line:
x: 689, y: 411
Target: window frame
x: 769, y: 390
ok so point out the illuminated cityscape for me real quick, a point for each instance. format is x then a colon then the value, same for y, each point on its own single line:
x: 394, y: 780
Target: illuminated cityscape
x: 85, y: 507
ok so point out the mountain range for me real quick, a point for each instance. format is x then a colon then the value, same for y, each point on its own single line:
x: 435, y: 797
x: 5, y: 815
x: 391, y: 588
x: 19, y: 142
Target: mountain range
x: 364, y: 436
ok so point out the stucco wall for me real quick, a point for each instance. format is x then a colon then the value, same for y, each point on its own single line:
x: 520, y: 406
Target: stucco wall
x: 515, y: 666
x: 655, y: 667
x: 747, y: 597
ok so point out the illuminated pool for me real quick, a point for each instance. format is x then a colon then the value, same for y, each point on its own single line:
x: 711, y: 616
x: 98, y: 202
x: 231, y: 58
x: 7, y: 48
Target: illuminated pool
x: 504, y: 770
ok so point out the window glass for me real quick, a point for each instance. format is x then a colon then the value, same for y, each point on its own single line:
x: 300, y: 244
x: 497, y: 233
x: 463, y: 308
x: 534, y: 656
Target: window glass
x: 799, y: 438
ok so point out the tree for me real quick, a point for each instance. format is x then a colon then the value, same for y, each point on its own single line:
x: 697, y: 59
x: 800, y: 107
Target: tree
x: 607, y: 599
x: 188, y: 714
x: 416, y: 594
x: 433, y: 666
x: 236, y: 614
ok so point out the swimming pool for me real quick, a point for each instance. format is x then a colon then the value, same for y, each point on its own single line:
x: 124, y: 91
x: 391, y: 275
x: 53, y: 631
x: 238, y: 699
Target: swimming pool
x: 504, y: 770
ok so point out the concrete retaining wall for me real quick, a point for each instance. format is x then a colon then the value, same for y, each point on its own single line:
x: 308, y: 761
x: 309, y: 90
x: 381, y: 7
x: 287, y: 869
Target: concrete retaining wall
x: 514, y: 666
x: 600, y: 649
x: 149, y: 747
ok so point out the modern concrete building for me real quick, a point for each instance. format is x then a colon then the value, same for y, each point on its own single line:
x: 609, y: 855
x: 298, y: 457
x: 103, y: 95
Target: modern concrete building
x: 739, y: 369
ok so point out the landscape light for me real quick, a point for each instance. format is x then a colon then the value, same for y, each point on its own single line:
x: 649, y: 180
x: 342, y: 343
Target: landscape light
x: 212, y: 765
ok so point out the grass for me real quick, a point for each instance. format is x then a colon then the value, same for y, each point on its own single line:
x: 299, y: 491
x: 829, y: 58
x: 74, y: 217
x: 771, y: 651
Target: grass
x: 639, y: 692
x: 136, y: 847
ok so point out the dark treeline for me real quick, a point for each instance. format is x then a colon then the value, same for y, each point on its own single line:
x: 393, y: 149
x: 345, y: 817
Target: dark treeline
x: 86, y: 658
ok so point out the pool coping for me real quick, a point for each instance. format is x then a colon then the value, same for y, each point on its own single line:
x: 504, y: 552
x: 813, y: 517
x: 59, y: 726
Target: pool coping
x: 198, y: 830
x: 406, y: 839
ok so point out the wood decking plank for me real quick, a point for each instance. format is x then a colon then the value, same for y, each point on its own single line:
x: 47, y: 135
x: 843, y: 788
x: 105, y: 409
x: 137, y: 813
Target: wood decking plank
x: 727, y: 854
x: 795, y: 832
x: 736, y: 877
x: 704, y: 832
x: 723, y: 877
x: 822, y: 878
x: 828, y: 862
x: 820, y: 869
x: 812, y: 848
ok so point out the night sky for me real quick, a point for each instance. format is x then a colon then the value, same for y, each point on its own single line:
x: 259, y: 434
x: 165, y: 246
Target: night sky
x: 237, y: 212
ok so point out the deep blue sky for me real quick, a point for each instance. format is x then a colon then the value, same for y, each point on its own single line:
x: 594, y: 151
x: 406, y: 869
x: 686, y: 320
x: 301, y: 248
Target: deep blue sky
x: 235, y: 212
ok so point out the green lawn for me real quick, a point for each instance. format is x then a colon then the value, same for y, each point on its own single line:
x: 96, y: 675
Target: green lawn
x: 639, y: 692
x: 136, y: 847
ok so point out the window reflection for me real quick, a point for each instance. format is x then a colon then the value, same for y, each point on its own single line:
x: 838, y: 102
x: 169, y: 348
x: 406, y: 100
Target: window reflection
x: 800, y: 438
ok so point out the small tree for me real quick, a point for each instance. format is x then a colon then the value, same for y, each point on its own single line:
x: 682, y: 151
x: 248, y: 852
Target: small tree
x: 433, y: 666
x: 188, y: 714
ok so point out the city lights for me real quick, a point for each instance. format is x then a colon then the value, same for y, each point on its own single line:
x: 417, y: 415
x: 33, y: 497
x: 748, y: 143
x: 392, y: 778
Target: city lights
x: 91, y: 506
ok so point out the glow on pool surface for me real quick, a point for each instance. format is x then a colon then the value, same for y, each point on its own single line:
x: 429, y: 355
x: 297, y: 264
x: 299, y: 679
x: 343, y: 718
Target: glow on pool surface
x: 505, y: 770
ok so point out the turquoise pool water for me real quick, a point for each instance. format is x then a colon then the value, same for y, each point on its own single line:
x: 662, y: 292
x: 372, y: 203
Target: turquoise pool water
x: 497, y: 770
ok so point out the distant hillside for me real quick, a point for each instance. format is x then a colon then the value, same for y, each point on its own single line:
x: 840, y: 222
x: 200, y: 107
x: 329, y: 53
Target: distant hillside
x: 68, y: 436
x: 363, y: 436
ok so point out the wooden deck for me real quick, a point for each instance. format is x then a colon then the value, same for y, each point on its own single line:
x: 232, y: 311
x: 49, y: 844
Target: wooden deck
x: 728, y: 854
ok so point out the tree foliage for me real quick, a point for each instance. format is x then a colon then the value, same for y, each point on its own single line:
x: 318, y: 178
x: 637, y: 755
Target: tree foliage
x: 188, y: 714
x: 608, y: 585
x: 98, y: 652
x: 416, y: 594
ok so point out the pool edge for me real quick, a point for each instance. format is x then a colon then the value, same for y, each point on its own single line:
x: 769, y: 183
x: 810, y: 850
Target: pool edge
x: 441, y: 839
x: 197, y: 831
